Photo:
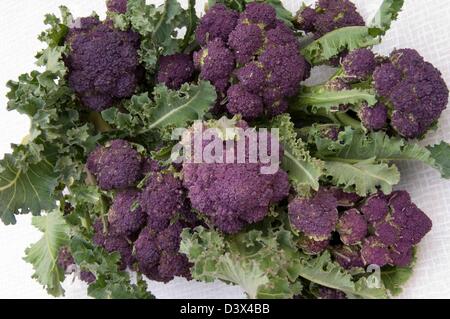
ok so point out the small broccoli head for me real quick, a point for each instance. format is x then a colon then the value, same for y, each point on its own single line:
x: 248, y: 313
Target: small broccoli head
x: 315, y: 217
x: 125, y: 215
x: 240, y: 101
x: 175, y: 69
x: 327, y: 16
x: 117, y: 165
x: 162, y: 199
x: 245, y: 41
x: 352, y: 227
x: 374, y: 252
x: 103, y: 63
x: 402, y: 254
x: 413, y: 89
x: 375, y: 117
x: 359, y: 64
x: 216, y: 63
x: 347, y: 256
x: 344, y: 199
x: 87, y: 277
x: 375, y: 207
x: 261, y: 14
x: 117, y: 6
x: 65, y: 259
x: 112, y: 242
x: 158, y: 258
x: 311, y: 246
x: 218, y: 22
x: 252, y: 77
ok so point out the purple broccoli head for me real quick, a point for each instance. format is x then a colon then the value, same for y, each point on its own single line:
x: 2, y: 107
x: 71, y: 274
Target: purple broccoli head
x: 359, y: 64
x: 125, y: 215
x: 315, y: 217
x: 375, y: 117
x: 175, y: 69
x: 116, y: 165
x: 117, y: 6
x: 374, y: 252
x: 218, y: 22
x: 352, y: 227
x: 375, y: 207
x: 252, y: 77
x: 306, y: 19
x: 258, y: 13
x: 240, y: 101
x: 245, y: 41
x: 347, y: 257
x: 413, y: 89
x: 311, y: 246
x: 65, y: 259
x: 103, y: 63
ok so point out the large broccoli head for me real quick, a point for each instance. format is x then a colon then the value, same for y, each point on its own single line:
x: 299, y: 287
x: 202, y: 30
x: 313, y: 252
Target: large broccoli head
x: 260, y: 54
x: 175, y: 69
x: 103, y: 63
x: 117, y: 165
x: 233, y: 194
x: 328, y: 15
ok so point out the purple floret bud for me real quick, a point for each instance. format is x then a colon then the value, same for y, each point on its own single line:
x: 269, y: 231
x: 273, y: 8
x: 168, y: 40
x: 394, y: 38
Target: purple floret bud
x: 375, y: 117
x: 218, y: 22
x: 259, y: 13
x: 65, y: 259
x: 240, y: 101
x: 245, y: 41
x: 328, y: 293
x: 87, y: 277
x: 375, y: 207
x: 359, y: 64
x: 252, y: 77
x: 352, y: 227
x: 374, y: 252
x: 402, y: 254
x: 174, y: 70
x: 306, y: 19
x: 316, y: 217
x: 125, y: 215
x: 116, y: 165
x: 347, y: 257
x: 311, y: 246
x: 343, y: 198
x: 117, y: 6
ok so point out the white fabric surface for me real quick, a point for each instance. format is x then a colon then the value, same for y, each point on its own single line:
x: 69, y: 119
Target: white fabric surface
x: 423, y: 25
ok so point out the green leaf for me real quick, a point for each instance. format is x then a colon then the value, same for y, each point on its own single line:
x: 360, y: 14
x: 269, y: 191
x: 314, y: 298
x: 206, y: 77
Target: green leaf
x: 395, y: 277
x: 387, y: 13
x: 25, y: 190
x: 322, y: 271
x: 318, y: 98
x: 264, y: 265
x: 441, y: 156
x: 364, y: 177
x: 304, y: 170
x: 337, y: 41
x: 43, y: 255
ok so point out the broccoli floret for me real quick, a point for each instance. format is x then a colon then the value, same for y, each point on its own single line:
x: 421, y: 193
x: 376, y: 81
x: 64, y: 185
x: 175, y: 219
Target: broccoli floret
x: 413, y: 89
x: 175, y: 69
x: 65, y: 260
x: 157, y: 254
x: 328, y: 293
x: 316, y: 217
x: 117, y: 165
x: 218, y: 22
x: 327, y: 16
x: 117, y: 6
x: 402, y: 254
x: 311, y: 246
x: 113, y: 242
x: 352, y: 227
x: 344, y: 199
x: 347, y: 257
x: 87, y: 276
x: 103, y: 63
x: 125, y: 215
x: 359, y: 64
x: 233, y: 195
x: 162, y: 199
x: 374, y: 118
x: 375, y: 207
x: 374, y: 252
x: 264, y: 52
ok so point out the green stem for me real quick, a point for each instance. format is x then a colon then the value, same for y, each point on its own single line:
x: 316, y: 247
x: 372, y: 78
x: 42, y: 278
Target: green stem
x: 347, y: 120
x: 99, y: 123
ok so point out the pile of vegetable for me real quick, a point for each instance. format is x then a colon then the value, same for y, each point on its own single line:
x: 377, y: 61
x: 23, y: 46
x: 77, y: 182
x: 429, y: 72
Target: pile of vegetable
x: 116, y: 211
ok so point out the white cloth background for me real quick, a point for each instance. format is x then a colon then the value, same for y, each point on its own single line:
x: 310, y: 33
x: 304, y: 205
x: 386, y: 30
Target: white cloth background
x: 424, y: 25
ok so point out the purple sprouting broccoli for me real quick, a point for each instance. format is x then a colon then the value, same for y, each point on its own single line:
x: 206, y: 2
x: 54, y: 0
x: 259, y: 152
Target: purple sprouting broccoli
x: 352, y: 227
x: 311, y: 246
x: 374, y: 252
x: 112, y: 242
x: 375, y: 207
x: 373, y: 118
x: 103, y: 63
x: 218, y: 22
x: 125, y: 215
x: 359, y: 64
x: 175, y: 69
x: 413, y: 89
x: 157, y: 253
x: 260, y: 56
x: 67, y: 263
x: 117, y: 6
x: 328, y: 15
x: 216, y: 63
x: 163, y: 199
x: 347, y: 257
x: 87, y: 276
x: 233, y: 195
x: 315, y: 217
x: 117, y: 165
x: 344, y: 199
x: 328, y: 293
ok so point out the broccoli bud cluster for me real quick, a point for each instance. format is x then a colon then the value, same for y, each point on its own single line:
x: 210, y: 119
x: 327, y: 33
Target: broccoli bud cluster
x: 103, y: 62
x: 256, y: 52
x: 380, y: 229
x: 175, y: 69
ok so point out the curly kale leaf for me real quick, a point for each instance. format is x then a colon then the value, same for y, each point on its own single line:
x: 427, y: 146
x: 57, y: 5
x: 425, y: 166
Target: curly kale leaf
x: 440, y: 153
x: 43, y: 255
x: 395, y: 277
